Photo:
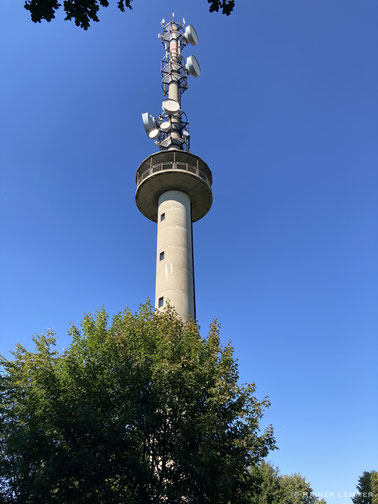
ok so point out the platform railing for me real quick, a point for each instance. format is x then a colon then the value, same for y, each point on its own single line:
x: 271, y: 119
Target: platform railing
x: 178, y: 166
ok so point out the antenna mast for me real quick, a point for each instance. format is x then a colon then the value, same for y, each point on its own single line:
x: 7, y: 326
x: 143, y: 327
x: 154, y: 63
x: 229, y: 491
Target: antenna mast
x: 171, y: 128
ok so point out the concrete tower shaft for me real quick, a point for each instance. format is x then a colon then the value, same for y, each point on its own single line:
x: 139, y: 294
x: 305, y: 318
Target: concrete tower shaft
x: 174, y: 257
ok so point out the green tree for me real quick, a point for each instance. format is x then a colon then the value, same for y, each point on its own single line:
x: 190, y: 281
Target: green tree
x: 269, y: 487
x: 374, y: 487
x: 82, y: 12
x: 367, y: 487
x: 265, y: 485
x: 297, y: 490
x: 139, y: 410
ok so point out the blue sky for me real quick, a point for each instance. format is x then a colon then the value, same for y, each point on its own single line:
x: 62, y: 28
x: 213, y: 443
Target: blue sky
x: 286, y: 115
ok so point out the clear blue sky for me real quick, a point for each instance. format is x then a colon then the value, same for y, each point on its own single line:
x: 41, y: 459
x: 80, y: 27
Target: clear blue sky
x: 286, y: 114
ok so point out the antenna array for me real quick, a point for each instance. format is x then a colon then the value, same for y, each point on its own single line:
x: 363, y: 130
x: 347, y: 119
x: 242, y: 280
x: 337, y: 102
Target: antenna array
x: 171, y: 127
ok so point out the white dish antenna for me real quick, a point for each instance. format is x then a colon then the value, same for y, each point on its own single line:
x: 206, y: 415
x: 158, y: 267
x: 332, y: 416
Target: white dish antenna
x: 165, y: 126
x: 192, y: 66
x: 170, y: 106
x: 149, y: 123
x: 190, y: 35
x: 154, y: 133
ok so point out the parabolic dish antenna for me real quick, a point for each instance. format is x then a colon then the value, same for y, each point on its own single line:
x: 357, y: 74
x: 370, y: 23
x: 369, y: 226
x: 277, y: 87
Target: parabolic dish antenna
x: 165, y: 126
x: 154, y: 133
x: 190, y: 35
x: 170, y: 106
x: 192, y: 66
x: 149, y: 122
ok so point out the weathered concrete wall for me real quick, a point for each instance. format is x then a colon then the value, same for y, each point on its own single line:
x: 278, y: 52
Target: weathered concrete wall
x: 174, y: 270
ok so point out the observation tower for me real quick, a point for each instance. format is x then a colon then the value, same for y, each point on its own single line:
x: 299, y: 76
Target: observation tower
x: 174, y: 185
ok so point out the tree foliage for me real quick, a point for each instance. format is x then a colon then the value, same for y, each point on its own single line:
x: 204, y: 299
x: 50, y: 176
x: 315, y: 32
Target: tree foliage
x: 297, y: 490
x: 265, y: 485
x: 139, y: 410
x: 374, y: 487
x: 269, y: 487
x: 83, y: 12
x: 367, y: 487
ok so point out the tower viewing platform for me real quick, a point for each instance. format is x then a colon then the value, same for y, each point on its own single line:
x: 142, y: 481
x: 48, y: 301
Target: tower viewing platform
x: 173, y: 169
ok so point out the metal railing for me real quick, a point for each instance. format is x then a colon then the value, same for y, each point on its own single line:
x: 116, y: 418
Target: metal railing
x: 178, y: 166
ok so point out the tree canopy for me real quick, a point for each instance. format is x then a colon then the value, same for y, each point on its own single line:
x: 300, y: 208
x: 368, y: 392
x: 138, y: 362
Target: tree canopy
x: 367, y: 487
x: 141, y: 409
x: 269, y: 487
x: 83, y: 12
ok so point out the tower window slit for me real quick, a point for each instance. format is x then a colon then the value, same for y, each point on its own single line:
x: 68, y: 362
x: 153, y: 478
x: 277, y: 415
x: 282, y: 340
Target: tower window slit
x: 161, y: 302
x: 162, y: 216
x: 162, y: 256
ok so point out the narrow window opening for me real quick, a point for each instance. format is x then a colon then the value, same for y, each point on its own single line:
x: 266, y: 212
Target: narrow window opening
x: 161, y: 302
x: 161, y: 256
x: 162, y: 216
